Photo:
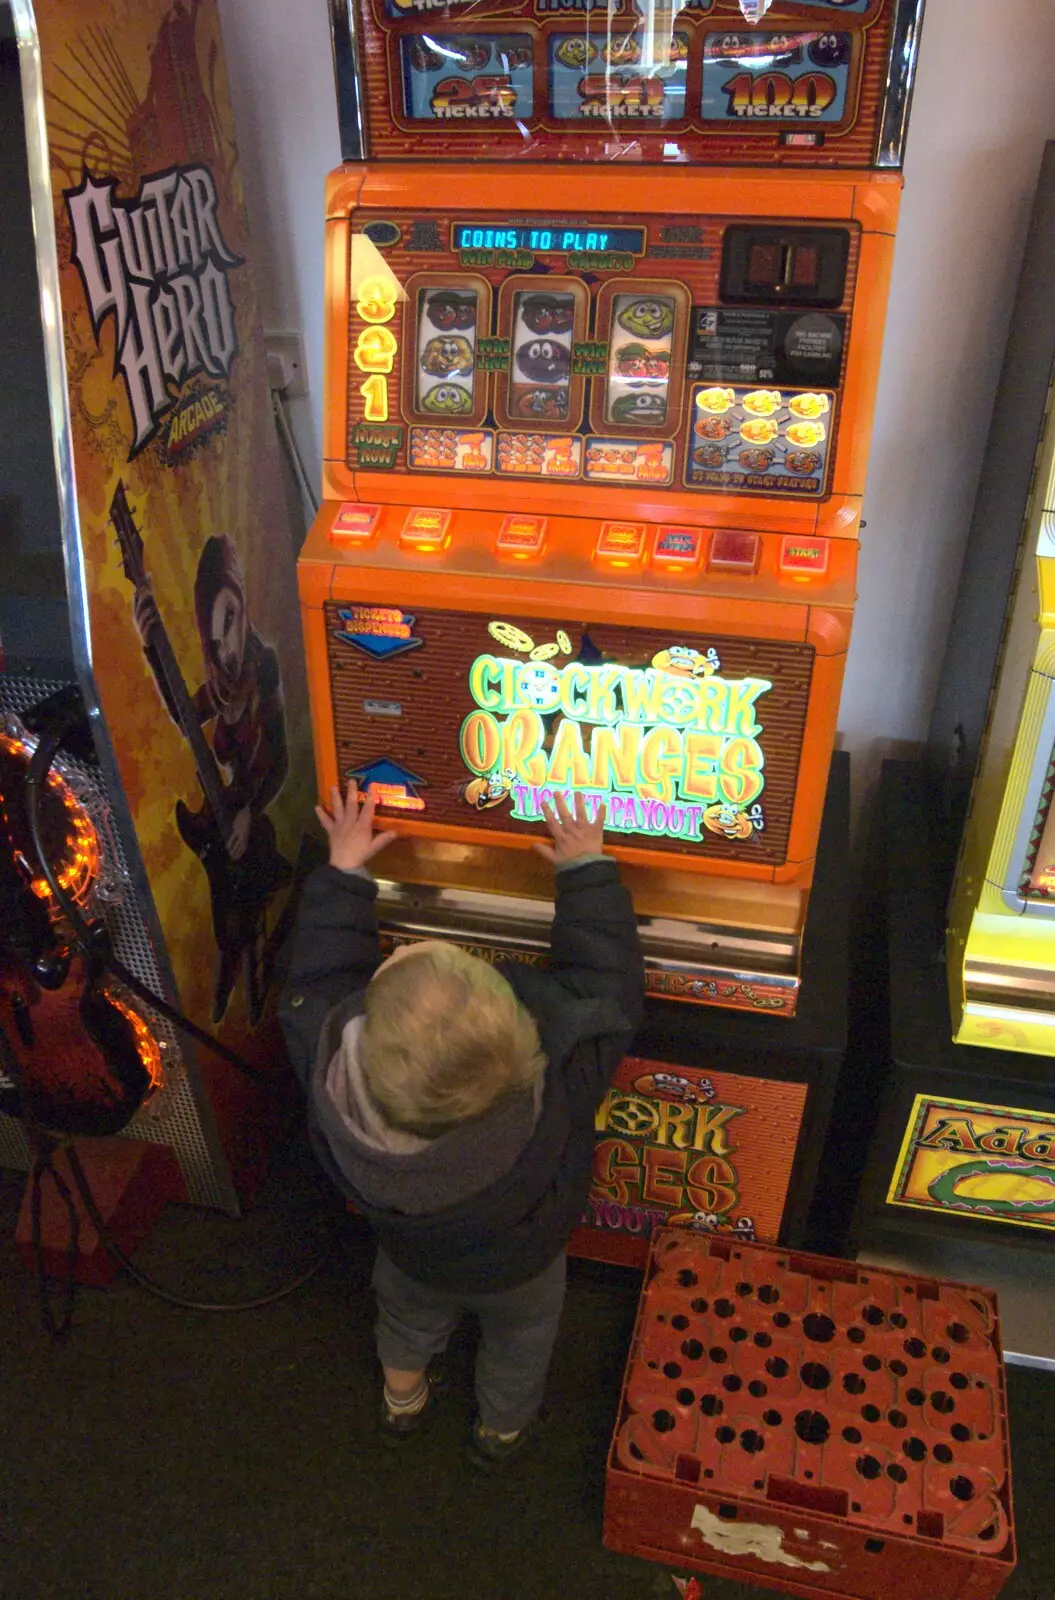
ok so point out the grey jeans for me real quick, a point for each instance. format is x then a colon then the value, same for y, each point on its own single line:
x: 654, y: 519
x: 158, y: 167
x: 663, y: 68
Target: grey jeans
x: 518, y: 1328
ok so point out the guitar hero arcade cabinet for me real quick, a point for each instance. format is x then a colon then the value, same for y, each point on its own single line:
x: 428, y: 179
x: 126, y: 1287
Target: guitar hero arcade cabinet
x: 596, y: 439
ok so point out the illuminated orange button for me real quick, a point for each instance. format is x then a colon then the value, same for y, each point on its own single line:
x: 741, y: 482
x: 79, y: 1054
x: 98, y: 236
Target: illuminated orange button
x: 354, y: 524
x: 521, y: 537
x: 678, y: 548
x: 733, y: 552
x: 396, y: 797
x: 621, y: 544
x: 426, y: 528
x: 804, y: 556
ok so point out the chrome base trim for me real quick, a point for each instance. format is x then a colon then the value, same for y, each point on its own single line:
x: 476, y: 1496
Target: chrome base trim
x: 1028, y: 988
x: 522, y: 926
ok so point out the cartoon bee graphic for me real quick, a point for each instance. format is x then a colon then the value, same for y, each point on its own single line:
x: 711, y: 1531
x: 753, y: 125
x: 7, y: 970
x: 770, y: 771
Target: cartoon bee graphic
x: 728, y: 820
x: 686, y: 661
x: 698, y: 1221
x: 671, y: 1086
x: 483, y: 793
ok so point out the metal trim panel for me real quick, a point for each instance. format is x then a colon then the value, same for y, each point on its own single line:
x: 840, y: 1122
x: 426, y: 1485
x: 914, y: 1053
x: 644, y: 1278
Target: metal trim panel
x: 901, y: 81
x: 347, y: 76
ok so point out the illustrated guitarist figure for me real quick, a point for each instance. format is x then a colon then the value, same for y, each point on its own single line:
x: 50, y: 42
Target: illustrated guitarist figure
x: 242, y: 698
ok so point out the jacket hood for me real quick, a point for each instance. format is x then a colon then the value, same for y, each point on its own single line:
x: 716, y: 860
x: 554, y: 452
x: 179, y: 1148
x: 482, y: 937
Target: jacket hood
x: 509, y: 1160
x: 392, y: 1170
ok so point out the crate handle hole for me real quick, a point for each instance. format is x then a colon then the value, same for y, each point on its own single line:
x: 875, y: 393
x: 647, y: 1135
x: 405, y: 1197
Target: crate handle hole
x: 807, y: 1497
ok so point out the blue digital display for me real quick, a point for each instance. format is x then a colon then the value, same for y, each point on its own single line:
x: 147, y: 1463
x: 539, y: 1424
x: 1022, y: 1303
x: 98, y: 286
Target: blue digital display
x: 546, y: 237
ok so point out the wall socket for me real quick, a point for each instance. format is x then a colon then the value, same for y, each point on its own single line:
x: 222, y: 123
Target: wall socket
x: 286, y: 366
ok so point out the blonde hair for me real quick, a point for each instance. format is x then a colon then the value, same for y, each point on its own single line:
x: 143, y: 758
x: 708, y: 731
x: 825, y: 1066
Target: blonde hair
x: 445, y: 1037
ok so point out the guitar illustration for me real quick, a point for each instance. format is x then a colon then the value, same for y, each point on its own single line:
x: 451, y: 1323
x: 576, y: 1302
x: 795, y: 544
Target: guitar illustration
x: 74, y: 1056
x: 242, y: 697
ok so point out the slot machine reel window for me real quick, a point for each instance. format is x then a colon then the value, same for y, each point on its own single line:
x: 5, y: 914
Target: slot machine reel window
x: 797, y: 78
x: 444, y: 382
x: 544, y: 320
x: 629, y: 76
x: 468, y: 78
x: 646, y: 331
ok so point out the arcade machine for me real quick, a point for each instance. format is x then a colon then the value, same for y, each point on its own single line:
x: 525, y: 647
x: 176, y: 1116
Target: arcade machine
x: 596, y: 439
x: 142, y: 527
x: 1001, y: 947
x: 962, y: 1155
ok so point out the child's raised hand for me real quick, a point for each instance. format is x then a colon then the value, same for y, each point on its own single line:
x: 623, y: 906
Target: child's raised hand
x: 350, y: 829
x: 572, y: 833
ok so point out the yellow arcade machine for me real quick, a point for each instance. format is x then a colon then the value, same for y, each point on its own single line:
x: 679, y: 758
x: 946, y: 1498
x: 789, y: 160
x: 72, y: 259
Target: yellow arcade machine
x: 1001, y: 942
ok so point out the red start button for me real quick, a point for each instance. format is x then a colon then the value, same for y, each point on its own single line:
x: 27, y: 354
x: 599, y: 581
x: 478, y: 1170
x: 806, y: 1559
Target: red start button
x: 354, y: 524
x: 734, y: 552
x: 804, y: 556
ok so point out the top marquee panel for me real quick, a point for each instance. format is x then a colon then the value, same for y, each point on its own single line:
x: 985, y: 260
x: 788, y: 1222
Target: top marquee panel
x: 800, y: 83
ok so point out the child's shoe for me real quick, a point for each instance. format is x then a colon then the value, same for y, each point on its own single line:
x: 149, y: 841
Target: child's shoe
x: 400, y: 1421
x: 490, y: 1451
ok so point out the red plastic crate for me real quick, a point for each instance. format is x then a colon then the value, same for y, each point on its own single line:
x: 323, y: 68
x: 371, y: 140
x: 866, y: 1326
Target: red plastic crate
x: 813, y: 1426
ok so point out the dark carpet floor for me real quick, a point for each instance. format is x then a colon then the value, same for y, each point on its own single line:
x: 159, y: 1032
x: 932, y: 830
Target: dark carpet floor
x: 155, y: 1454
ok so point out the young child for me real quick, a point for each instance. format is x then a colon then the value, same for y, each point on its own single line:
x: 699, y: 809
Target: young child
x: 453, y: 1102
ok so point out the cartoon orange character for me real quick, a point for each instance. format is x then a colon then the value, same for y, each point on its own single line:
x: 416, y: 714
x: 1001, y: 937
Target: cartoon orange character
x: 685, y: 660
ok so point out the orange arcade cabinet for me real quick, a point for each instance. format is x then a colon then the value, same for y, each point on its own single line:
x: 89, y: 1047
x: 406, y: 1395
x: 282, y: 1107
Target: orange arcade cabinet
x: 596, y: 439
